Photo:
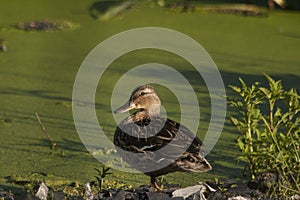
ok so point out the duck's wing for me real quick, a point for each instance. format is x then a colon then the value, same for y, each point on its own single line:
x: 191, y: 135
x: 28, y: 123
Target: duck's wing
x: 160, y: 139
x: 174, y: 138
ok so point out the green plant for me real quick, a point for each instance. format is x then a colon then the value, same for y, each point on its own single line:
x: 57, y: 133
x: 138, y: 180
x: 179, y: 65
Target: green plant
x: 268, y: 119
x: 101, y: 175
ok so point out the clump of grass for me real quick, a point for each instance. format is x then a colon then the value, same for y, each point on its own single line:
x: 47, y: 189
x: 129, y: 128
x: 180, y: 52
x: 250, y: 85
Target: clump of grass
x: 46, y: 25
x: 269, y: 124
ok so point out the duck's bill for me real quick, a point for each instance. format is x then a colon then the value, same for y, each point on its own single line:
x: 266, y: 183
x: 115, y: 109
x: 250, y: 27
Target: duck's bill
x: 126, y: 107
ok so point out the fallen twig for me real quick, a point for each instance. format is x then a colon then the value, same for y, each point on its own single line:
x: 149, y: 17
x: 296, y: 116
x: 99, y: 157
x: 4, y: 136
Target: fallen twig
x: 52, y: 143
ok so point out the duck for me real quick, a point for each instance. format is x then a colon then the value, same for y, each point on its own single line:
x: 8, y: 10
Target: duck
x: 154, y: 144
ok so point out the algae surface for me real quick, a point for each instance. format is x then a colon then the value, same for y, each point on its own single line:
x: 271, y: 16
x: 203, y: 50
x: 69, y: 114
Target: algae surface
x: 38, y: 71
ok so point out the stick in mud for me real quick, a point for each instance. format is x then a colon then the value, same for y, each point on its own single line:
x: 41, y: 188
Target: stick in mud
x: 52, y: 143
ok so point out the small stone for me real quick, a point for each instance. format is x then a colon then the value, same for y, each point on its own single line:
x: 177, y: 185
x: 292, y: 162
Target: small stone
x: 88, y: 192
x: 42, y: 192
x: 98, y: 196
x: 188, y: 191
x: 128, y: 195
x: 170, y: 188
x: 120, y: 195
x: 3, y: 47
x: 295, y: 197
x: 238, y: 198
x: 142, y: 188
x: 5, y: 195
x: 195, y: 196
x: 107, y: 193
x: 158, y: 196
x: 229, y: 183
x: 177, y: 198
x: 59, y: 195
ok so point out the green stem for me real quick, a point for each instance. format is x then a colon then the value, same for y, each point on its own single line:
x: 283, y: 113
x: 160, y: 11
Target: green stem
x: 249, y: 136
x: 271, y: 103
x: 273, y: 136
x: 101, y: 183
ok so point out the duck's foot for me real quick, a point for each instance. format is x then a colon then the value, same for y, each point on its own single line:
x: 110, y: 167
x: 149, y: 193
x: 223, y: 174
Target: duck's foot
x: 155, y: 185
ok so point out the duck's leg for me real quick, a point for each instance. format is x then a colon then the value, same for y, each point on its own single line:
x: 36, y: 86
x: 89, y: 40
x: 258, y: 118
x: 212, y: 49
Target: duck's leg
x: 154, y: 184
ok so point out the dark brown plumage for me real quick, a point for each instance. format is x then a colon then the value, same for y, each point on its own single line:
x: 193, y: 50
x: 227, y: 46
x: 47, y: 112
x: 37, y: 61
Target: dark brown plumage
x: 154, y: 144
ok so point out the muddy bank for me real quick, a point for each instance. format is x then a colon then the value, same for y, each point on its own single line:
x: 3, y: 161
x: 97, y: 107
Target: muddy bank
x: 222, y: 189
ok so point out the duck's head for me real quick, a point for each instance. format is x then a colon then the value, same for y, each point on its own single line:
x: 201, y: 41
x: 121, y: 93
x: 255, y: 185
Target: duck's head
x: 143, y: 98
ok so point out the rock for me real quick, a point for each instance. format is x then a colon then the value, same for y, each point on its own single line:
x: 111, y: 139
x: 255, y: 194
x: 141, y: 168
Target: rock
x: 177, y: 198
x: 158, y: 196
x: 59, y: 195
x: 129, y: 195
x: 238, y: 190
x: 88, y: 192
x: 235, y: 190
x: 295, y: 197
x: 238, y: 198
x: 225, y: 190
x: 5, y: 195
x: 3, y: 46
x: 107, y: 193
x: 170, y: 188
x: 142, y: 188
x: 263, y: 182
x: 26, y: 196
x: 140, y: 196
x: 42, y: 192
x: 120, y: 195
x: 189, y: 191
x: 98, y: 196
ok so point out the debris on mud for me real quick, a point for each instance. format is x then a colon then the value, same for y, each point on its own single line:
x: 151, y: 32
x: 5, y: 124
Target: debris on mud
x: 45, y: 25
x: 222, y: 189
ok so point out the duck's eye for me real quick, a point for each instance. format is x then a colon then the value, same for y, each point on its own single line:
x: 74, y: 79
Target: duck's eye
x: 143, y: 93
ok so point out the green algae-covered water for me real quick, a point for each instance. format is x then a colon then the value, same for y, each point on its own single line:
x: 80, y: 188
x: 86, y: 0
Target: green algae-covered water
x: 38, y: 71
